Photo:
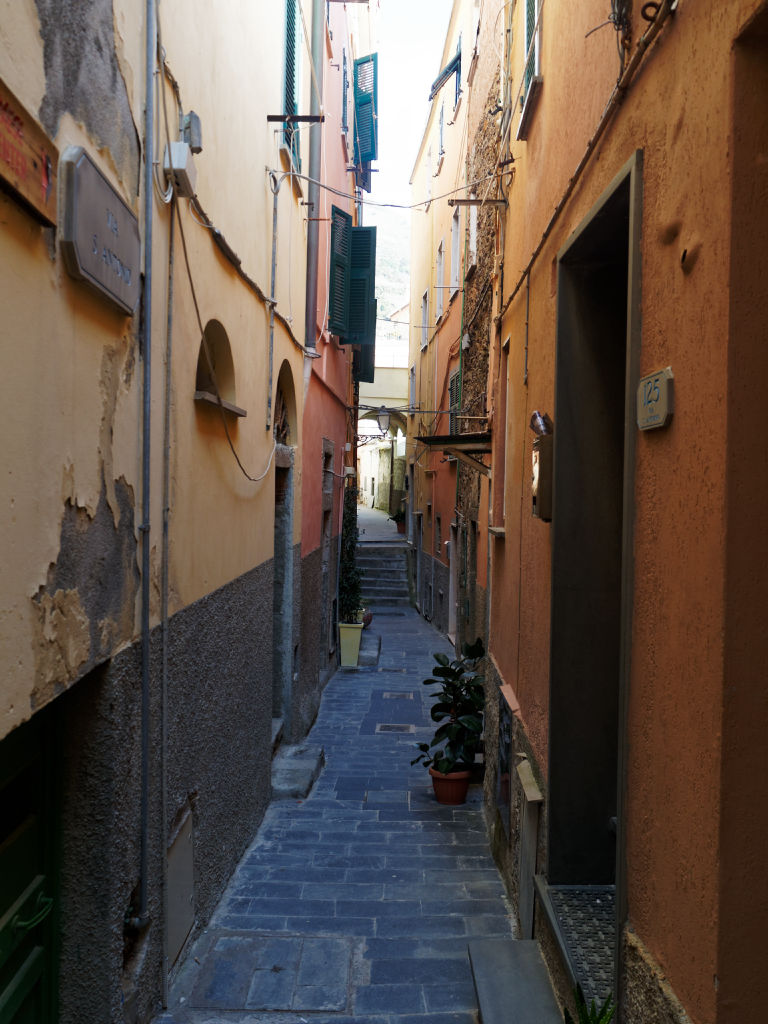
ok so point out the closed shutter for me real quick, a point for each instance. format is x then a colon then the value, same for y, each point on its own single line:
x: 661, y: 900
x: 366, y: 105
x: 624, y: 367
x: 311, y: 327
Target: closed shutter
x: 362, y: 301
x: 341, y: 262
x: 364, y: 364
x: 291, y: 97
x: 454, y: 395
x: 366, y: 109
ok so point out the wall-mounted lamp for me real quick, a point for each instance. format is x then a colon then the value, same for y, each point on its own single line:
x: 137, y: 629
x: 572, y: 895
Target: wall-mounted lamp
x: 383, y: 419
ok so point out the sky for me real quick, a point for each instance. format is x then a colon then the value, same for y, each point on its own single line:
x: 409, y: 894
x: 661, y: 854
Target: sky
x: 411, y: 34
x: 411, y: 37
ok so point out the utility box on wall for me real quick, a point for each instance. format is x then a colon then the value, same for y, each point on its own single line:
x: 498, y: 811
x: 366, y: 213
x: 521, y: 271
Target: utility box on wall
x: 541, y: 477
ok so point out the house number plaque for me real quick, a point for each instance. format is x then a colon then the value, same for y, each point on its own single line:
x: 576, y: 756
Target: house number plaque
x: 655, y: 399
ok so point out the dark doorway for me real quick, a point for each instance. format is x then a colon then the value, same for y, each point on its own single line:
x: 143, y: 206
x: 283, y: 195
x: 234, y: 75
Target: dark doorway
x: 591, y: 549
x: 28, y: 883
x: 282, y: 670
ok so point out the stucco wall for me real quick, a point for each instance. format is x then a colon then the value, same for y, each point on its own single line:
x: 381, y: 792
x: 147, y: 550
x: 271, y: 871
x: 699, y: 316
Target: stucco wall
x: 218, y: 767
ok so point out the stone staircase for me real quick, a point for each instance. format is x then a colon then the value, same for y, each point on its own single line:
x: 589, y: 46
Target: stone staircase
x: 384, y: 577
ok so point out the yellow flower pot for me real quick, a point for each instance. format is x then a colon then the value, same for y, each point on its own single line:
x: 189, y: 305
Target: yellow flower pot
x: 349, y: 640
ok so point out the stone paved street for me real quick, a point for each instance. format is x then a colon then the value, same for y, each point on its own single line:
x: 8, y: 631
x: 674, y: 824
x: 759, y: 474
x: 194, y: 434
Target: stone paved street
x: 355, y: 904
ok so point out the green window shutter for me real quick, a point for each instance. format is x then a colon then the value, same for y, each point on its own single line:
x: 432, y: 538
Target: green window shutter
x: 362, y: 285
x: 530, y: 64
x: 291, y: 96
x: 364, y: 364
x: 339, y: 275
x: 454, y: 399
x: 363, y: 177
x: 366, y: 109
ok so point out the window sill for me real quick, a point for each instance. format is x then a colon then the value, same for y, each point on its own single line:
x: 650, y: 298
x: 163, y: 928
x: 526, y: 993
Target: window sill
x: 454, y: 292
x: 288, y: 165
x: 440, y: 162
x: 210, y: 399
x: 529, y: 106
x: 498, y: 532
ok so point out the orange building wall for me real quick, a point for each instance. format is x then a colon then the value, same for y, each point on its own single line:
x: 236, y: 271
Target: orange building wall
x: 677, y: 112
x: 326, y: 378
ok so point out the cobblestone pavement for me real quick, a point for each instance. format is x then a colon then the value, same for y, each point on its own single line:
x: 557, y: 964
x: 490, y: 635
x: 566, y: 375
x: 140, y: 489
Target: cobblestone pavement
x: 357, y: 903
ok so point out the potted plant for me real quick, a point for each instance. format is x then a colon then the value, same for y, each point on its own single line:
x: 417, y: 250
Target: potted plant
x: 399, y: 520
x: 350, y: 620
x: 458, y: 707
x: 591, y: 1014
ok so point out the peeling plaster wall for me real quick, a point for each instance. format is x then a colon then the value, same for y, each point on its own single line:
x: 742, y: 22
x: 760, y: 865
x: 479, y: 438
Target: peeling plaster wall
x: 83, y: 77
x: 86, y: 606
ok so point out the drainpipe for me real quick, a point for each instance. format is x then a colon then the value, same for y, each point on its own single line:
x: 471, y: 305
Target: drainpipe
x: 274, y: 184
x: 164, y: 591
x: 315, y: 155
x: 151, y: 49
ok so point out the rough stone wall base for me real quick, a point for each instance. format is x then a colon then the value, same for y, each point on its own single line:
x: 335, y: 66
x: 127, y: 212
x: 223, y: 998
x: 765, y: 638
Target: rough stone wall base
x: 647, y: 996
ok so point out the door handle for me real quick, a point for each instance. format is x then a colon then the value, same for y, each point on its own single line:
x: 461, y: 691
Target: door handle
x: 43, y: 907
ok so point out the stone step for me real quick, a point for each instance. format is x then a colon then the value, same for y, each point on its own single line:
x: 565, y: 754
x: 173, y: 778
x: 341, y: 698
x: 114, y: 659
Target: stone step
x: 383, y: 571
x: 385, y: 589
x: 295, y: 769
x: 512, y: 983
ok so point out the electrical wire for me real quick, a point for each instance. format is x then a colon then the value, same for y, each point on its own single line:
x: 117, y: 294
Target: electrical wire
x: 391, y: 206
x: 204, y: 340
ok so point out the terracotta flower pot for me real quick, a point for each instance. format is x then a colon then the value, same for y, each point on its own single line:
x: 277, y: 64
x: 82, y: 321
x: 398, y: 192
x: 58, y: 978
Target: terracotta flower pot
x: 452, y: 788
x: 400, y: 527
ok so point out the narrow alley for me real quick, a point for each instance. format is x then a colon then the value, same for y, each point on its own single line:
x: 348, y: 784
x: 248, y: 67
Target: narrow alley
x: 360, y: 900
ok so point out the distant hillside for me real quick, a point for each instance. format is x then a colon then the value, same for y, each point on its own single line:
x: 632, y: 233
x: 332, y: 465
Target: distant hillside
x: 392, y: 257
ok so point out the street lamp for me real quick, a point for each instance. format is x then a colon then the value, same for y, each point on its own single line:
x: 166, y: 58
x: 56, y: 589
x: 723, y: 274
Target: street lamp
x: 383, y: 419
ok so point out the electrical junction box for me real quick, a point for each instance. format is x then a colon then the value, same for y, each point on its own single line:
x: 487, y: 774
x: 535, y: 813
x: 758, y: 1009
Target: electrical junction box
x: 184, y: 173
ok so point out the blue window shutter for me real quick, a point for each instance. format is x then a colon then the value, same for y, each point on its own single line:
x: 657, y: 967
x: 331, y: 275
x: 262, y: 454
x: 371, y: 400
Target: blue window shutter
x: 362, y: 286
x: 339, y: 273
x: 366, y: 109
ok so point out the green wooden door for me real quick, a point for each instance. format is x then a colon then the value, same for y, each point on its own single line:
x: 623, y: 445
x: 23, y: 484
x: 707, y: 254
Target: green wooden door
x: 27, y: 884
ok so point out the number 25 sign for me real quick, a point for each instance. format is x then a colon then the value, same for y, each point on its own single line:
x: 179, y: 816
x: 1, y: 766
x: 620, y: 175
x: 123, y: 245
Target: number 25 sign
x: 655, y: 399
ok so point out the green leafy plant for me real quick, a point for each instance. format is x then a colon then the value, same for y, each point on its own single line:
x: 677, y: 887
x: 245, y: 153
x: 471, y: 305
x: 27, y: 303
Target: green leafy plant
x: 458, y: 708
x: 349, y: 574
x: 591, y: 1014
x: 399, y: 516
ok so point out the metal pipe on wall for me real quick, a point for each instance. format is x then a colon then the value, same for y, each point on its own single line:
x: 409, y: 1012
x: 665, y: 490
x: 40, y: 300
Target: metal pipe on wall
x: 164, y: 590
x: 315, y: 154
x: 151, y: 48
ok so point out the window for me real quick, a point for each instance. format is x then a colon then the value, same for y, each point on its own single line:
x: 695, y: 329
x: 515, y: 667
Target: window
x: 440, y: 282
x: 455, y: 251
x: 412, y: 388
x: 452, y: 68
x: 442, y: 129
x: 472, y: 254
x: 425, y: 319
x: 454, y: 399
x: 291, y: 90
x: 531, y: 67
x: 438, y: 535
x: 352, y: 281
x: 428, y: 179
x: 366, y: 109
x: 344, y: 93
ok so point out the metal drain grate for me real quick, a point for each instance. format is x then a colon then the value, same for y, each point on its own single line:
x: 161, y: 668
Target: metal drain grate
x: 386, y: 727
x: 397, y: 695
x: 586, y: 918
